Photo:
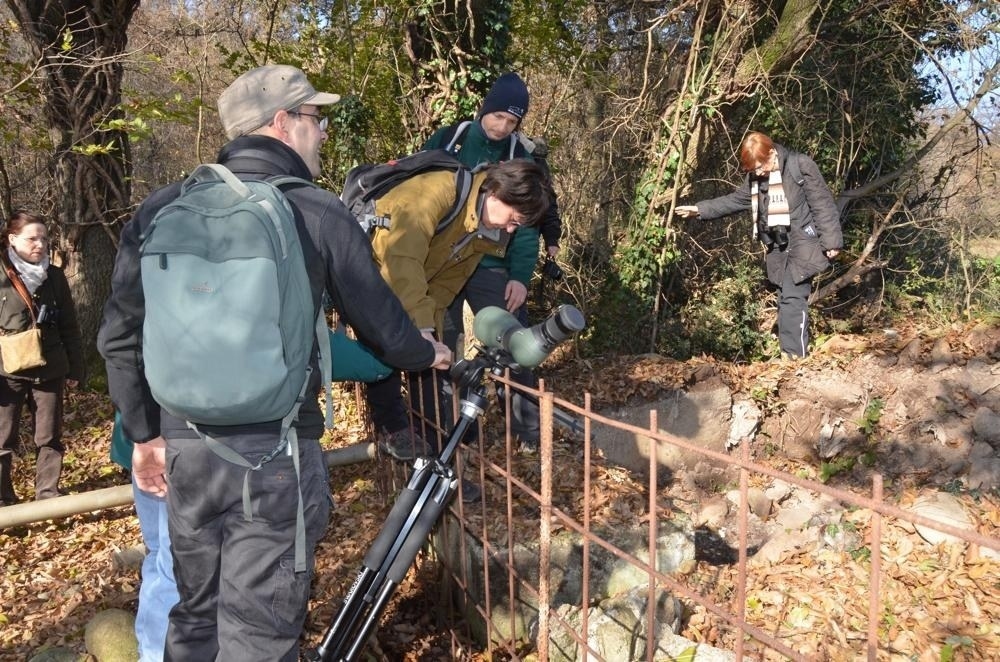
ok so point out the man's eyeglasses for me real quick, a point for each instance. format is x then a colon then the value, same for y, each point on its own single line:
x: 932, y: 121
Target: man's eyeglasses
x: 322, y: 121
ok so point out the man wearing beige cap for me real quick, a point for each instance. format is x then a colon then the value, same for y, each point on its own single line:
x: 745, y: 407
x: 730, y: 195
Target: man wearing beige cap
x: 241, y: 595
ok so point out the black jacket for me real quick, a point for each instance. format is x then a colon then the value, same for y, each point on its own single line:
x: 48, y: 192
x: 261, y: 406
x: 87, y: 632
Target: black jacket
x: 815, y: 221
x: 61, y: 345
x: 339, y: 260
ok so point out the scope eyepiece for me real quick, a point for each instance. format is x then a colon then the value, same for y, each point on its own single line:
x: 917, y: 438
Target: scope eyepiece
x: 498, y: 329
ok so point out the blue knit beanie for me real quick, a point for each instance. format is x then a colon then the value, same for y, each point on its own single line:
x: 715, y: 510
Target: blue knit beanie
x: 509, y: 94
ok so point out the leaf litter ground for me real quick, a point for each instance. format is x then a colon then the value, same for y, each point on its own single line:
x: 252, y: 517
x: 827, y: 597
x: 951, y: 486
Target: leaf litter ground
x: 940, y: 600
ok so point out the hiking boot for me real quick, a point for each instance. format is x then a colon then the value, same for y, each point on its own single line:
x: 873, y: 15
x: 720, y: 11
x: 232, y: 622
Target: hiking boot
x: 404, y: 445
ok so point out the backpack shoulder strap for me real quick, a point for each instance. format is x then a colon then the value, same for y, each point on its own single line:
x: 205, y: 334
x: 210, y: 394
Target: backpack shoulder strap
x: 463, y: 187
x: 281, y: 181
x: 459, y: 131
x: 322, y: 332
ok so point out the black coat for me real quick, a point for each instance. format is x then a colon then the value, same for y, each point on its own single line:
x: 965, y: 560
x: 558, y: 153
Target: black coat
x: 61, y: 345
x: 339, y: 260
x: 815, y: 221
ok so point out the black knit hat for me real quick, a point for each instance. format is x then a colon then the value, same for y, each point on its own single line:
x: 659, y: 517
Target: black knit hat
x: 509, y: 94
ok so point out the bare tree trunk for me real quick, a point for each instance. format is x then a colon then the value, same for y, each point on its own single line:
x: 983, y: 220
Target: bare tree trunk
x: 78, y: 45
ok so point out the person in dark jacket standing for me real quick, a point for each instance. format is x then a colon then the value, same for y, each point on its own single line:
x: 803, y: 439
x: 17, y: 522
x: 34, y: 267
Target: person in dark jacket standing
x: 35, y: 292
x: 241, y: 597
x: 796, y: 219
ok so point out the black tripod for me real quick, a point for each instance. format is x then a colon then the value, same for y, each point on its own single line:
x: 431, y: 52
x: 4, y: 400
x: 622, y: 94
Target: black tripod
x: 410, y: 521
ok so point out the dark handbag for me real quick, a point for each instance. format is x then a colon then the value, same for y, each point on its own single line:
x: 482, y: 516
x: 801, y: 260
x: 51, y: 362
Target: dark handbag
x: 21, y: 350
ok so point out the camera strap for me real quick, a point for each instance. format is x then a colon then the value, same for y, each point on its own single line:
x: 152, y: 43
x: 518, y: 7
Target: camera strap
x: 15, y: 280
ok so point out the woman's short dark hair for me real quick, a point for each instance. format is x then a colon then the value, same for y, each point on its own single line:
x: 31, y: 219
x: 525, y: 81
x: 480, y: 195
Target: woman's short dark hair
x: 522, y: 184
x: 756, y: 148
x: 16, y: 222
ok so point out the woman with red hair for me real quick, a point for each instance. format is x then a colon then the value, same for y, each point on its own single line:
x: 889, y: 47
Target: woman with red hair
x: 796, y: 219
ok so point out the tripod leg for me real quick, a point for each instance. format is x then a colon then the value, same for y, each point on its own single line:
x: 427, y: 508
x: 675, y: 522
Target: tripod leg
x: 406, y: 529
x: 411, y: 546
x: 377, y: 562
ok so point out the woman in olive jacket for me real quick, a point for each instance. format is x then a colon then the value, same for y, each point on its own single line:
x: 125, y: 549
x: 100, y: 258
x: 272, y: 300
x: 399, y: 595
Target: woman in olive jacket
x: 796, y: 219
x: 24, y: 248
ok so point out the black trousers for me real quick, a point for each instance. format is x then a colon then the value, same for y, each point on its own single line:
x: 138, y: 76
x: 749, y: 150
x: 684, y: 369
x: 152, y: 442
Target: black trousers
x: 428, y: 399
x: 485, y: 288
x: 793, y: 316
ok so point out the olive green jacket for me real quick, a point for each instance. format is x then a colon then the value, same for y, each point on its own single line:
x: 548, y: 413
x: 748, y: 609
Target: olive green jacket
x: 425, y: 270
x: 474, y: 150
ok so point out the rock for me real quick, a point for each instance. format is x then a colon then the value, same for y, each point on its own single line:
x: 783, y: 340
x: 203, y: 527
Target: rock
x: 128, y: 559
x: 802, y: 507
x: 887, y: 360
x: 983, y: 339
x: 617, y: 630
x: 760, y: 505
x: 982, y: 380
x: 110, y: 636
x: 945, y: 508
x: 746, y: 419
x: 55, y: 655
x: 712, y: 513
x: 700, y: 416
x: 910, y: 353
x: 984, y: 475
x: 941, y: 356
x: 609, y: 575
x: 776, y: 547
x: 778, y: 491
x: 986, y: 425
x: 832, y: 437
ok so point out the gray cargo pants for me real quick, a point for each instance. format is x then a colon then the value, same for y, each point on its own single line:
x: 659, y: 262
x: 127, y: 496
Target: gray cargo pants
x: 240, y: 598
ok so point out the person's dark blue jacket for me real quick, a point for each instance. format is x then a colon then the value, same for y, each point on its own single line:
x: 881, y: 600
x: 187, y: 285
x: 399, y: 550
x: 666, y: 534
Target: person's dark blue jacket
x: 815, y: 221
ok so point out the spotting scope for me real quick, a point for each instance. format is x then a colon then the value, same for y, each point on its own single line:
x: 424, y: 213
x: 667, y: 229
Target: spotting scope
x: 496, y: 328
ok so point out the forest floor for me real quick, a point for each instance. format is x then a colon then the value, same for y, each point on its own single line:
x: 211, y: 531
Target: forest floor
x: 58, y: 574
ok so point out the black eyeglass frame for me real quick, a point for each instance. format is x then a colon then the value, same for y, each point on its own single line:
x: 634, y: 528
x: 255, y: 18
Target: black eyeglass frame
x: 321, y: 120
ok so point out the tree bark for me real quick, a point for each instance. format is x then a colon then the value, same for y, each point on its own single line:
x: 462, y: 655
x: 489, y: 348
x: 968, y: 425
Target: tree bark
x: 79, y: 45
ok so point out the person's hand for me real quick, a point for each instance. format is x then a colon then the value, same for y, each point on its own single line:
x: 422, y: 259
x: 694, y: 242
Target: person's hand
x: 443, y: 355
x: 149, y: 462
x: 686, y: 211
x: 71, y: 384
x: 515, y: 295
x: 552, y: 251
x: 832, y: 253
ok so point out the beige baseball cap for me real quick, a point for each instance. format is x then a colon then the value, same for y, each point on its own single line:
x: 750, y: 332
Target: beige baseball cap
x: 251, y: 100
